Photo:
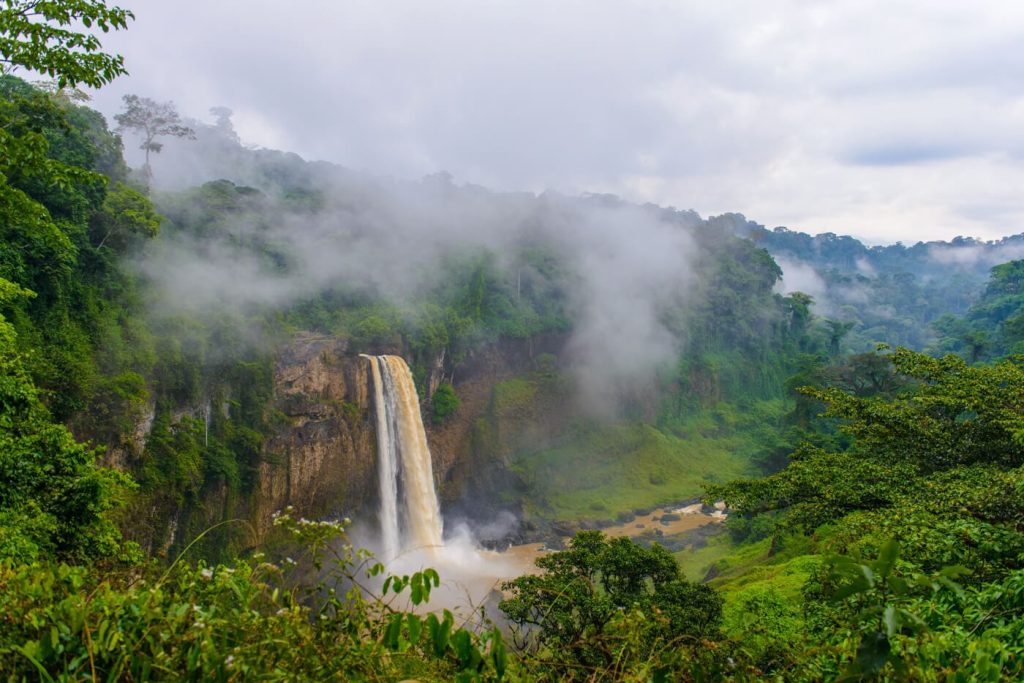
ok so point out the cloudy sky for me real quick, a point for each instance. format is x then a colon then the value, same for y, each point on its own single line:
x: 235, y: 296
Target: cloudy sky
x: 886, y: 120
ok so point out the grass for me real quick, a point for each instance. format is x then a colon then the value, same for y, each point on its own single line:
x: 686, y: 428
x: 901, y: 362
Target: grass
x: 695, y: 562
x: 605, y: 470
x: 513, y: 398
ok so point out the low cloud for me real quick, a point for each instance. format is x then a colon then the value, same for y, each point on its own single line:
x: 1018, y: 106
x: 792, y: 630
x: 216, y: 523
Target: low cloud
x: 625, y: 264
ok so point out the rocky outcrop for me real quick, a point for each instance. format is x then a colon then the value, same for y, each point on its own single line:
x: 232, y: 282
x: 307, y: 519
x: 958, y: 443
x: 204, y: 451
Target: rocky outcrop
x: 320, y: 457
x: 321, y: 460
x: 472, y: 450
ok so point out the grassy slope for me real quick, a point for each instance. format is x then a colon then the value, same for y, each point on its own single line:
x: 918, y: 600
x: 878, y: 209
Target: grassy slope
x: 598, y: 472
x: 757, y: 586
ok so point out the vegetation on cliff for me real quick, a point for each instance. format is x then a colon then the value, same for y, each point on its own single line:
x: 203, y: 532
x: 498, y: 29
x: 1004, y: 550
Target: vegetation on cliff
x: 884, y: 542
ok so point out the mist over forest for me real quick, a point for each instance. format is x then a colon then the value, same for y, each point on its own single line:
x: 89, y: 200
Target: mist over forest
x: 265, y: 416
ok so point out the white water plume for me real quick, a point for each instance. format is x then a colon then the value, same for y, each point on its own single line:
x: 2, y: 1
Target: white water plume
x: 409, y: 512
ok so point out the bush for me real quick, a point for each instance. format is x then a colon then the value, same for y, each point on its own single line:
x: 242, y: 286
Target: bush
x: 445, y: 403
x: 237, y: 622
x: 574, y: 612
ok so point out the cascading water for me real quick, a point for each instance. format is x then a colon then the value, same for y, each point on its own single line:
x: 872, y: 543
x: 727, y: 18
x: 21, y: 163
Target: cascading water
x: 403, y: 462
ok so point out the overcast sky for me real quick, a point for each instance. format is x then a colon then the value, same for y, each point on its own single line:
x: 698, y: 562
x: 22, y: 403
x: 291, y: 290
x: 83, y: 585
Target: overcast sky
x: 886, y: 120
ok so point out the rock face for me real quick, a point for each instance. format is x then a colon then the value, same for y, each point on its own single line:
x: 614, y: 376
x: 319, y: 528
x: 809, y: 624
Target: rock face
x: 321, y: 457
x: 322, y: 460
x: 472, y: 450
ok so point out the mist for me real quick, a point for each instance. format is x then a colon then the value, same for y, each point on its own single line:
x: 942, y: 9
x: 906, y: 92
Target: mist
x: 627, y: 264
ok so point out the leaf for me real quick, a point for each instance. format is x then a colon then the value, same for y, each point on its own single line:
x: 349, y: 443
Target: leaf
x: 954, y: 571
x: 872, y: 653
x: 868, y: 574
x: 393, y: 632
x: 951, y: 585
x: 442, y: 634
x: 414, y: 625
x: 890, y: 620
x: 499, y: 653
x: 463, y: 647
x: 887, y: 556
x: 858, y: 585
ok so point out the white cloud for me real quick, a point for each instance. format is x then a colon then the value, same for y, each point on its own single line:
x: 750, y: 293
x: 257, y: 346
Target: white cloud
x: 888, y: 120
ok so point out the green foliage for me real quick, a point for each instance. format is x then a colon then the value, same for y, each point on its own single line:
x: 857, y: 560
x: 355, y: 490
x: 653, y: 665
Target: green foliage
x: 53, y: 203
x: 623, y: 467
x: 993, y: 327
x: 444, y: 402
x: 53, y: 497
x: 239, y: 621
x: 959, y: 414
x: 935, y: 462
x: 125, y: 217
x: 572, y: 612
x: 769, y: 625
x: 46, y: 37
x: 880, y: 603
x: 890, y: 293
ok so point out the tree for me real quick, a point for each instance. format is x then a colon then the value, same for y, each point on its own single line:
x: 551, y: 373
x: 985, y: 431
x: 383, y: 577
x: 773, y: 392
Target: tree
x: 445, y: 402
x: 956, y: 415
x: 224, y: 125
x: 53, y: 497
x: 126, y: 214
x: 151, y: 120
x: 34, y: 35
x: 836, y: 331
x: 573, y: 606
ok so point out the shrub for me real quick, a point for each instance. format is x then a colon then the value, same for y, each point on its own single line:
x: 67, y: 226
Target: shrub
x: 445, y: 403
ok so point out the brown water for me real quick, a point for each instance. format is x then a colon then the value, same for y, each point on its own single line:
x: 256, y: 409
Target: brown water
x: 690, y: 517
x: 402, y: 448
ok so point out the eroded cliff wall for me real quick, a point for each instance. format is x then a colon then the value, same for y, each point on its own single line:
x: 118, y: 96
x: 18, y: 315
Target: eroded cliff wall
x: 320, y: 456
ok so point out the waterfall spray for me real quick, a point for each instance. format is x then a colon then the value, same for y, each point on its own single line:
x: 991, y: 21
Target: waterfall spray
x: 403, y: 462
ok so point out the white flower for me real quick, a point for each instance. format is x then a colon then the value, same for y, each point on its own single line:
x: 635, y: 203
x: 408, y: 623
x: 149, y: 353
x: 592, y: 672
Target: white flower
x: 206, y: 573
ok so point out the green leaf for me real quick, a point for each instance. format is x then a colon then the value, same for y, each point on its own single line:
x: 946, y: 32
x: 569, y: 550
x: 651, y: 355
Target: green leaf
x: 887, y: 556
x: 416, y: 590
x: 872, y: 653
x: 499, y: 653
x: 414, y: 625
x: 890, y: 621
x: 463, y: 647
x: 393, y: 632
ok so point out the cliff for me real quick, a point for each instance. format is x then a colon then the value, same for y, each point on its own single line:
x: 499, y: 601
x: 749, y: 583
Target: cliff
x: 321, y: 460
x: 320, y: 456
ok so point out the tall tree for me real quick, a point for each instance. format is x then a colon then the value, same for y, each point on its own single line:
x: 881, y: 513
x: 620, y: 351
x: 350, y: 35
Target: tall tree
x: 151, y: 120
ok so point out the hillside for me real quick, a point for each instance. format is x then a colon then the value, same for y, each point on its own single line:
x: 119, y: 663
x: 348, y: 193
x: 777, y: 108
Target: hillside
x: 883, y: 294
x: 186, y: 407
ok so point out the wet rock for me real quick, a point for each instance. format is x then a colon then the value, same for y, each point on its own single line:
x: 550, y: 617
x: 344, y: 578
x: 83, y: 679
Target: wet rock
x: 564, y: 528
x: 555, y: 544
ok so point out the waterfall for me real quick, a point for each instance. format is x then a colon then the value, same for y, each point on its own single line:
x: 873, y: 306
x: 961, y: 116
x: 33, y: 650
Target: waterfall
x: 403, y: 462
